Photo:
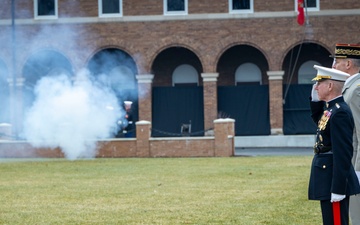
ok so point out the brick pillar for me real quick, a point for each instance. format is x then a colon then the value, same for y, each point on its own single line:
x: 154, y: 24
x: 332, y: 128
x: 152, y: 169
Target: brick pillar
x: 276, y: 101
x: 143, y: 134
x: 224, y: 130
x: 5, y: 131
x: 145, y: 96
x: 210, y: 98
x: 16, y: 105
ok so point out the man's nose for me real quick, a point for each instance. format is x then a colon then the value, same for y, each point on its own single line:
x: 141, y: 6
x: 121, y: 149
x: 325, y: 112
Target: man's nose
x: 333, y: 65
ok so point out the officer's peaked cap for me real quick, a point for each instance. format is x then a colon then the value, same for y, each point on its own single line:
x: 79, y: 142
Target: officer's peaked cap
x: 344, y: 51
x: 329, y: 73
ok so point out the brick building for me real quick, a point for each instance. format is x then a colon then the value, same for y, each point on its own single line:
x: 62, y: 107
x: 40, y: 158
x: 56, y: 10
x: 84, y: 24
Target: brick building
x: 160, y: 46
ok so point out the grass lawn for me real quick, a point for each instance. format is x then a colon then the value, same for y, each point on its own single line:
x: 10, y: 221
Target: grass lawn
x: 236, y: 190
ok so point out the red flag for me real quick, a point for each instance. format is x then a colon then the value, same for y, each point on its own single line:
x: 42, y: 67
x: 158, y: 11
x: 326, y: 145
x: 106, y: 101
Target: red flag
x: 301, y: 15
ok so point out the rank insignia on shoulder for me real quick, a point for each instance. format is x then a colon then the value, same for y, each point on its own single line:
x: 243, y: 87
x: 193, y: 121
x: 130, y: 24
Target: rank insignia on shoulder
x: 337, y: 105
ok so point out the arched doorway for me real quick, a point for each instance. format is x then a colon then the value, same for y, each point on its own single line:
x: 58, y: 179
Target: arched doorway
x: 177, y: 93
x: 298, y: 67
x: 243, y: 93
x: 41, y: 64
x: 117, y: 70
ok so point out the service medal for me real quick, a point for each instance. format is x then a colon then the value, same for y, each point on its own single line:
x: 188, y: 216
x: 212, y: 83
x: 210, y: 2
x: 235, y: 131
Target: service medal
x: 324, y: 119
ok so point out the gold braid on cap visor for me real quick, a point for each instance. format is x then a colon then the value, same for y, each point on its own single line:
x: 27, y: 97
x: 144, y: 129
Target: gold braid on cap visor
x: 319, y: 77
x: 347, y: 52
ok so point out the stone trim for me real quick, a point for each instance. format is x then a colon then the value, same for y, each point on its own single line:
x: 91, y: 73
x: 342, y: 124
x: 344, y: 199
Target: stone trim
x: 226, y: 120
x: 276, y: 131
x: 205, y: 16
x: 275, y: 75
x: 145, y: 78
x: 207, y: 77
x: 19, y: 82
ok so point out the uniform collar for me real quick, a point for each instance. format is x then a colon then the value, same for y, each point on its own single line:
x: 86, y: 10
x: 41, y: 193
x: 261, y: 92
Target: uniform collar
x: 351, y: 78
x: 333, y: 101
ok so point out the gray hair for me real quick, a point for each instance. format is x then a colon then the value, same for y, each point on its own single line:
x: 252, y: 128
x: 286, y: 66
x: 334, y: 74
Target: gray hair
x: 338, y: 85
x: 356, y: 62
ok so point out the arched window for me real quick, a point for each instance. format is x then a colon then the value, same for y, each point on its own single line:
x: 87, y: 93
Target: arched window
x: 58, y: 71
x: 248, y: 73
x: 307, y: 72
x: 121, y: 78
x: 185, y: 75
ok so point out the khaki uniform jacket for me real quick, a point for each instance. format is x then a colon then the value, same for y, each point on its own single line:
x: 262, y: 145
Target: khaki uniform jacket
x: 351, y: 94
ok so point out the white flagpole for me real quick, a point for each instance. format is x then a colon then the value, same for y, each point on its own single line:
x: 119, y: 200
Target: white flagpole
x: 306, y: 13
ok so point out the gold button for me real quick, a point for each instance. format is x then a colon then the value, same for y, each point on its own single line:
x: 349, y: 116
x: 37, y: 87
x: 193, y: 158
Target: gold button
x: 324, y: 166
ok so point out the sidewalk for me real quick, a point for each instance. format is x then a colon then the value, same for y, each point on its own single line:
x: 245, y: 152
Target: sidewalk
x: 274, y: 151
x: 275, y: 141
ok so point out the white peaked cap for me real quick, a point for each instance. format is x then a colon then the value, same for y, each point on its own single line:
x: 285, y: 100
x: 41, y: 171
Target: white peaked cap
x: 329, y: 73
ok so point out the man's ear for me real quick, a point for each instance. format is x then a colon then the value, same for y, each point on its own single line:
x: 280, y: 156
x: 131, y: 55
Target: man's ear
x: 348, y: 64
x: 330, y: 85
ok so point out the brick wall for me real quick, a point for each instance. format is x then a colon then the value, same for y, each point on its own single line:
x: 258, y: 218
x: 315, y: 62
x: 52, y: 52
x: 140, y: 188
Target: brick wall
x: 273, y: 6
x: 136, y: 7
x: 206, y: 39
x: 210, y: 99
x: 345, y: 4
x: 86, y: 8
x: 220, y: 145
x: 78, y: 8
x: 276, y: 111
x: 145, y: 40
x: 276, y: 101
x: 181, y: 148
x: 208, y: 6
x: 117, y: 148
x: 145, y: 101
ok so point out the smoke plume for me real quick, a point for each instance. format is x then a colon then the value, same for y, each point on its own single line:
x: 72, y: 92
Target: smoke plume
x: 72, y: 114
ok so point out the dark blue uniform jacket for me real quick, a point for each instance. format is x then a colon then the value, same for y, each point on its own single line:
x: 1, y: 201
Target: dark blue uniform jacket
x: 332, y: 171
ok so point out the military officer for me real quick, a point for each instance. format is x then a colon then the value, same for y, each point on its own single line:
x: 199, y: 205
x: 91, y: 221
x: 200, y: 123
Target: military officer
x: 347, y: 59
x: 130, y: 128
x: 126, y: 123
x: 332, y: 177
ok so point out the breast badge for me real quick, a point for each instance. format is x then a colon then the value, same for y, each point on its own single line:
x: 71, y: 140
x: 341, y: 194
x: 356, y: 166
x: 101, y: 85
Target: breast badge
x: 324, y: 119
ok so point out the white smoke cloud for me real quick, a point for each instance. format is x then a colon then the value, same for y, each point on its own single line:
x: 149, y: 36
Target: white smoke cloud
x: 72, y: 114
